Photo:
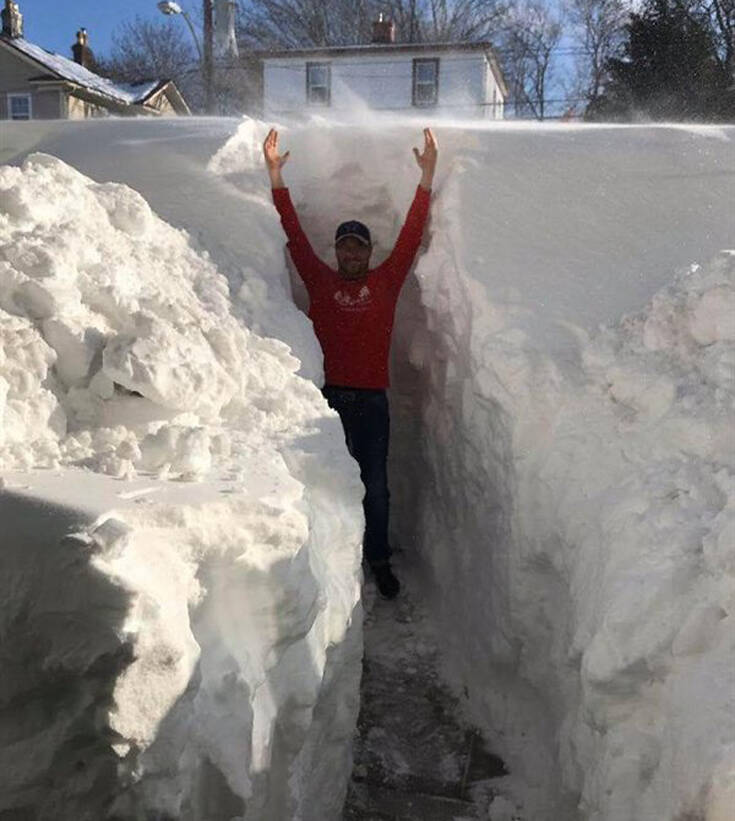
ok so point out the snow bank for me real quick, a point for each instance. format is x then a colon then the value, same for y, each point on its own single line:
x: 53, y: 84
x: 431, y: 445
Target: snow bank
x: 570, y: 490
x: 578, y: 519
x: 180, y: 585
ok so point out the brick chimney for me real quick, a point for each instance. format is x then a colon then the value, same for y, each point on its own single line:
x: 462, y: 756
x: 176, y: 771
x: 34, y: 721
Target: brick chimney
x: 12, y: 20
x: 384, y: 30
x: 81, y: 51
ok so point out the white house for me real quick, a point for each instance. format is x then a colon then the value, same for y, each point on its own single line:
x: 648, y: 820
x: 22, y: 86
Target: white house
x: 457, y: 79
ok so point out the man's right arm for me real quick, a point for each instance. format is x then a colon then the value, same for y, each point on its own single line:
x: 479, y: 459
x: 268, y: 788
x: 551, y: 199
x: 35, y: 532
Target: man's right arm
x: 306, y: 261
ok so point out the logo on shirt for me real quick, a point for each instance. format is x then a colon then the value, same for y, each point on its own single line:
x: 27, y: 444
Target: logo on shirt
x: 354, y: 303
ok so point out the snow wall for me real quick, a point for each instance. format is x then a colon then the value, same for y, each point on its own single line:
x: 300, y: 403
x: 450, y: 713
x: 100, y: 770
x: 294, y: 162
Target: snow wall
x: 181, y: 525
x: 567, y: 490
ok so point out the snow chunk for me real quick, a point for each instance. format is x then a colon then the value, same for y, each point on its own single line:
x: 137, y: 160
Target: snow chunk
x: 119, y: 307
x: 29, y: 411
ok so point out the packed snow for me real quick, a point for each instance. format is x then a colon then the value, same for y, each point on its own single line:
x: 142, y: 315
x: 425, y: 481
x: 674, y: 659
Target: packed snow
x: 181, y: 621
x: 565, y: 491
x: 591, y: 536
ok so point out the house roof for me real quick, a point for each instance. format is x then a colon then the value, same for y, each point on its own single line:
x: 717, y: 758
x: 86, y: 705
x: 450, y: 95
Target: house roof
x: 142, y: 92
x: 65, y: 69
x: 367, y: 48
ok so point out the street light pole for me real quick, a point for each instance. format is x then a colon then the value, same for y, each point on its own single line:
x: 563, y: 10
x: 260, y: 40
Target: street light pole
x: 205, y: 54
x: 208, y: 62
x: 168, y: 7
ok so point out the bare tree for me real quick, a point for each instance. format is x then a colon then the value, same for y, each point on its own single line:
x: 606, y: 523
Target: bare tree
x: 304, y: 23
x: 147, y: 50
x: 532, y: 34
x: 293, y: 23
x: 462, y: 20
x: 598, y: 31
x: 722, y: 14
x: 144, y: 49
x: 437, y: 21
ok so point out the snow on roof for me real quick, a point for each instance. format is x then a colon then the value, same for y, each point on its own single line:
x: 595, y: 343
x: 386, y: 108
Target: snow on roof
x: 142, y: 91
x: 76, y: 73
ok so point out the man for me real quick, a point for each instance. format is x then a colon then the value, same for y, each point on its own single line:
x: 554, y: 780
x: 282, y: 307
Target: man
x: 352, y: 309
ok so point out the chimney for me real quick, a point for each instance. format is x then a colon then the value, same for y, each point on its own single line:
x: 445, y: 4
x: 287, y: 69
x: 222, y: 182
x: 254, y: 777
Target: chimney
x: 81, y: 51
x: 12, y: 20
x: 384, y: 30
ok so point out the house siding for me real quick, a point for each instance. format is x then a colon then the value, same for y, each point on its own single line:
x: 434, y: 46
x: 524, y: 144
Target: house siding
x: 14, y: 79
x: 79, y: 109
x: 382, y: 82
x: 60, y: 98
x: 161, y: 103
x: 15, y: 76
x: 47, y: 105
x: 14, y: 73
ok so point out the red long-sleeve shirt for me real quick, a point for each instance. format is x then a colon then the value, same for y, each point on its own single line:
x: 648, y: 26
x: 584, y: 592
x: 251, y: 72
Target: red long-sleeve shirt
x: 353, y: 319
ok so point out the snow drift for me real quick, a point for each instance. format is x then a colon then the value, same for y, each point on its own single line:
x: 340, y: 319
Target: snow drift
x: 576, y: 514
x: 180, y: 586
x: 567, y: 490
x: 588, y: 522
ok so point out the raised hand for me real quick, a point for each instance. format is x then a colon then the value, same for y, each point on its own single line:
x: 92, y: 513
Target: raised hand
x: 426, y: 159
x: 270, y: 149
x: 273, y: 160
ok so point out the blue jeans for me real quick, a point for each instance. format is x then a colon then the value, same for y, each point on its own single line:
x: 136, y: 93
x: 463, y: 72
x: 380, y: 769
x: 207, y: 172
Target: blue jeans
x: 366, y: 422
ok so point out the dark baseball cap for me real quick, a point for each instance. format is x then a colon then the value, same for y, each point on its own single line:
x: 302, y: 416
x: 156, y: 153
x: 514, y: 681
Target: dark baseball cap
x: 355, y: 229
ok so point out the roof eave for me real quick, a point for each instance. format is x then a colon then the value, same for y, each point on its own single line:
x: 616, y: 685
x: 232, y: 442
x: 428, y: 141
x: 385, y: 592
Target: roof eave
x: 160, y: 85
x: 167, y: 87
x: 94, y: 96
x: 266, y: 54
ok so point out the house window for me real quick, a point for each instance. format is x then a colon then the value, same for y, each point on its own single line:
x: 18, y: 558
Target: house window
x: 19, y: 106
x: 318, y: 83
x: 425, y: 82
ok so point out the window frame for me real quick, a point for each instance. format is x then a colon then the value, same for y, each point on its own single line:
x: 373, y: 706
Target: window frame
x: 312, y: 64
x: 20, y: 95
x: 417, y: 61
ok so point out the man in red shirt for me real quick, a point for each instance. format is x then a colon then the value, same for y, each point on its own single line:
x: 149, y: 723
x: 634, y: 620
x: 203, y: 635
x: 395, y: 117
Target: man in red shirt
x: 352, y: 309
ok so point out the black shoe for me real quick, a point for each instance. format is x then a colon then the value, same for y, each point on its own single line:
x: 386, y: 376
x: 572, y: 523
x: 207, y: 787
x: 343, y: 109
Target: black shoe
x: 388, y: 584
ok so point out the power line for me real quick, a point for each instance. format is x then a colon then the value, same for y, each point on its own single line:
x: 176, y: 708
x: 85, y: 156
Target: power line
x: 359, y: 75
x: 510, y: 102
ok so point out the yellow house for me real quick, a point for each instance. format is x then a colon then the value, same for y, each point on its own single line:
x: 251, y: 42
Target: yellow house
x: 38, y: 84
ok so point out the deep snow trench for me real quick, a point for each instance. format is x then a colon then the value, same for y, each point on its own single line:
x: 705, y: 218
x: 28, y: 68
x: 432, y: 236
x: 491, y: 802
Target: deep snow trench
x: 566, y: 492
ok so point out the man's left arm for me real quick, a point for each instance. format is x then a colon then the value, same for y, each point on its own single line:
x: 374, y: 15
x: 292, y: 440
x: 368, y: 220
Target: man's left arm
x: 426, y: 160
x: 409, y: 238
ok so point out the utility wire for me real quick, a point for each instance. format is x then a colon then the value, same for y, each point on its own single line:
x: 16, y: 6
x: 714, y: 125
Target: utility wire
x: 314, y: 107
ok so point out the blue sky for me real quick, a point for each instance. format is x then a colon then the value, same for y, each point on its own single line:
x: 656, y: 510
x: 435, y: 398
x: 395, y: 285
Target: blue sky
x: 53, y: 24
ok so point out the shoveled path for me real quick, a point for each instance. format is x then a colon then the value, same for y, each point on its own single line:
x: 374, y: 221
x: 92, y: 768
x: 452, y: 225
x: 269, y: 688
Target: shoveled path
x: 415, y: 760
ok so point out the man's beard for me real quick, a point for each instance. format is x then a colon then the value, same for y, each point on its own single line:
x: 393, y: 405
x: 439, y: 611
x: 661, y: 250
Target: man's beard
x: 353, y: 271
